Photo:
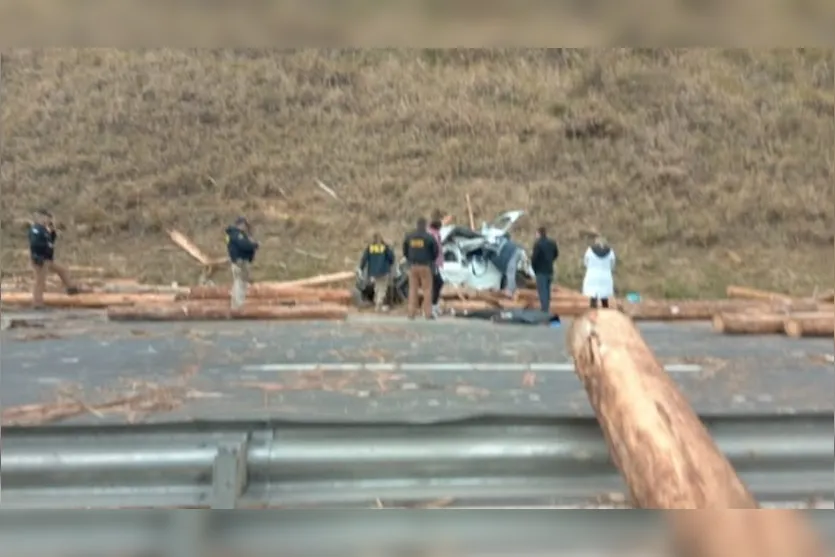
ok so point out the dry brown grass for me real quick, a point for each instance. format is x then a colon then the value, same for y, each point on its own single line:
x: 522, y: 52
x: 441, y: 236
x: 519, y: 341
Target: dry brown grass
x: 703, y: 167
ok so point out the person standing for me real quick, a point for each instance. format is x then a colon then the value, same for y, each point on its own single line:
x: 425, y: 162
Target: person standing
x: 42, y: 237
x: 437, y: 279
x: 543, y: 256
x: 421, y: 251
x: 377, y: 261
x: 507, y: 259
x: 241, y: 249
x: 599, y: 282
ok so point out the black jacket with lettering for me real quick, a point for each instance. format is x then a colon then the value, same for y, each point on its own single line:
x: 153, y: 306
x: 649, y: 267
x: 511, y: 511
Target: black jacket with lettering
x: 420, y: 248
x: 42, y: 242
x: 239, y: 245
x: 378, y: 258
x: 545, y: 252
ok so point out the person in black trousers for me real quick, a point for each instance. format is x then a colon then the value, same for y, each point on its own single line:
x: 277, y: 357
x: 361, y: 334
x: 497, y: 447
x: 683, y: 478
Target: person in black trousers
x: 544, y: 255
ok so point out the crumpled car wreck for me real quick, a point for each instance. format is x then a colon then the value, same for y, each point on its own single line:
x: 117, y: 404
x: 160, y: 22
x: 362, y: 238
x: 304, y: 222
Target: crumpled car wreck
x: 473, y: 259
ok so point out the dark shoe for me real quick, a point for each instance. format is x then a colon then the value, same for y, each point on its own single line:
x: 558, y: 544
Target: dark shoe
x: 72, y: 290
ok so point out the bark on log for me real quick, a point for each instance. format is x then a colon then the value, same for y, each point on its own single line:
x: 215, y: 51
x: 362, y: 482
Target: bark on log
x: 744, y: 323
x: 216, y: 312
x: 86, y: 300
x: 743, y: 533
x: 666, y: 456
x: 261, y: 292
x: 745, y: 293
x: 810, y: 325
x: 686, y: 310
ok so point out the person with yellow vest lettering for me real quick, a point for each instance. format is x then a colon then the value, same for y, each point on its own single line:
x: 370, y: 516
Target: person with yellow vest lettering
x: 376, y: 262
x: 420, y: 249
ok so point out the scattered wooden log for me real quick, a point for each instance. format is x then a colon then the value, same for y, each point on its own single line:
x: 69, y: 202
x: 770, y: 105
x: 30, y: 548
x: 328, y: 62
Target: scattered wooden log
x: 666, y: 456
x: 191, y: 311
x: 745, y: 293
x: 85, y: 300
x: 684, y: 310
x: 266, y: 292
x: 744, y: 323
x: 318, y: 280
x: 810, y: 325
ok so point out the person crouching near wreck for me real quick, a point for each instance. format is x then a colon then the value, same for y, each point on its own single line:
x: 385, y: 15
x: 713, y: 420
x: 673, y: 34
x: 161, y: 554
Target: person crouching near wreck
x: 599, y: 282
x: 241, y: 249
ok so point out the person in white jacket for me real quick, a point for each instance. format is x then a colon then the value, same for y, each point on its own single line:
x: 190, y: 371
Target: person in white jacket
x: 599, y: 282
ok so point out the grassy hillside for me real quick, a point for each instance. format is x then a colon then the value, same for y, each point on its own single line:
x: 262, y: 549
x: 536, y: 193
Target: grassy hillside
x: 702, y: 167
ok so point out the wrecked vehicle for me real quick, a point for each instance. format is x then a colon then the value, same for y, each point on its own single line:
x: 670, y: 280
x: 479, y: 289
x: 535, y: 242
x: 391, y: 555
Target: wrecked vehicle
x: 469, y: 261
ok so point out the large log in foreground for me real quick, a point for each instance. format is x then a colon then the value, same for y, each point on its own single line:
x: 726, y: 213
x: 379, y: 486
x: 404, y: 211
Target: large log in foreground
x: 810, y: 325
x: 743, y: 533
x: 218, y: 312
x: 666, y: 456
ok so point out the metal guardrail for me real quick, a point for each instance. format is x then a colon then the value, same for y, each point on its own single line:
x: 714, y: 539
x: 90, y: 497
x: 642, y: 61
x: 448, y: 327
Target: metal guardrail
x: 486, y: 462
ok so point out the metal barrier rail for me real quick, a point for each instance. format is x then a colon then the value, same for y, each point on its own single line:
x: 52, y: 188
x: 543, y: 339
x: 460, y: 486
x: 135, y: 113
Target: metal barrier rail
x: 311, y: 533
x: 475, y: 463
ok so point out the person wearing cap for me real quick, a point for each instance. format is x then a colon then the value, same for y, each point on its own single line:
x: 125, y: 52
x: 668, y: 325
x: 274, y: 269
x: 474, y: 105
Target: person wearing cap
x: 241, y: 249
x: 599, y: 282
x: 42, y: 237
x: 377, y: 261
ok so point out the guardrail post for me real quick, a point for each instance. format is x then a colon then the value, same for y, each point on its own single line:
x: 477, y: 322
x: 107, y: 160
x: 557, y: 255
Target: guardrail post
x: 229, y: 475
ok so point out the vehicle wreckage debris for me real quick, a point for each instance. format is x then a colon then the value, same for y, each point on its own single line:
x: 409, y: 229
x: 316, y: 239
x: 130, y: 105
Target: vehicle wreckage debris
x: 665, y: 454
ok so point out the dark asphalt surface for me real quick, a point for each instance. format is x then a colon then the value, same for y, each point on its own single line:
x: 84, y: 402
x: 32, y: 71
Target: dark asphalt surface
x: 194, y: 371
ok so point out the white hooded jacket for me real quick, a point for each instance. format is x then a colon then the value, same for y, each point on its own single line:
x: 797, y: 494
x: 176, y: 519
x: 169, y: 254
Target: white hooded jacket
x: 599, y: 282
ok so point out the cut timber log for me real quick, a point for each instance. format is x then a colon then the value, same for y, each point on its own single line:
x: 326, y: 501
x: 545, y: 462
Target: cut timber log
x: 744, y: 533
x: 683, y: 310
x: 827, y: 297
x: 745, y: 293
x: 217, y: 312
x: 88, y: 301
x: 810, y: 325
x: 264, y: 292
x: 744, y: 323
x: 666, y: 456
x: 318, y: 280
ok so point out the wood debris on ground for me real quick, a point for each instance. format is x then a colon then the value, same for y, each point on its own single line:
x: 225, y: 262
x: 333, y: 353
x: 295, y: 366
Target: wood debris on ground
x: 142, y: 399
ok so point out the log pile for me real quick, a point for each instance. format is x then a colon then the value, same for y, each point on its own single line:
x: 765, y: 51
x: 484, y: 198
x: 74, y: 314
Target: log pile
x: 777, y: 314
x: 667, y: 457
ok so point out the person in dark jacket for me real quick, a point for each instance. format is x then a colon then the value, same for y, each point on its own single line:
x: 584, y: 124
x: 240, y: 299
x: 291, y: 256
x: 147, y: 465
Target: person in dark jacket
x: 42, y: 238
x: 543, y: 256
x: 420, y: 249
x: 241, y: 249
x: 377, y: 261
